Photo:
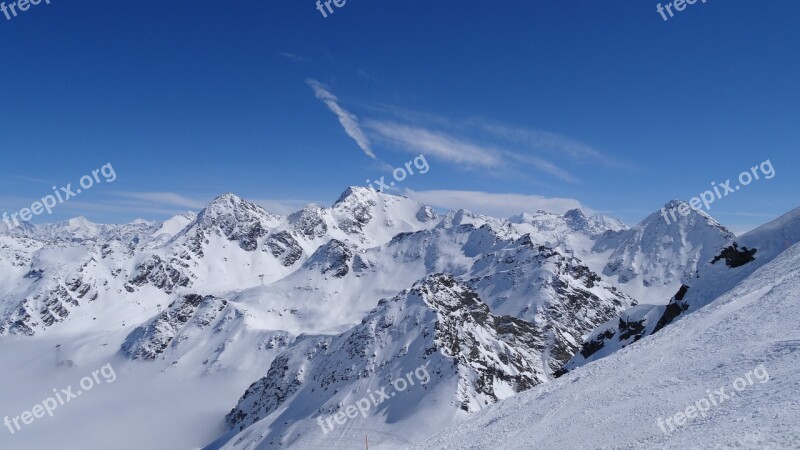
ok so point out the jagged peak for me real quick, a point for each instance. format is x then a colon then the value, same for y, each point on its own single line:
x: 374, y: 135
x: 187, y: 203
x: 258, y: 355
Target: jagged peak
x: 671, y: 214
x: 576, y: 213
x: 230, y: 203
x: 608, y: 222
x: 309, y: 209
x: 576, y: 219
x: 674, y: 203
x: 357, y: 193
x: 226, y: 198
x: 442, y: 291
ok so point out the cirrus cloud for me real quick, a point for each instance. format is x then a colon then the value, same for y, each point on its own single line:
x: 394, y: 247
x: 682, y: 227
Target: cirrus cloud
x: 458, y: 150
x: 347, y: 119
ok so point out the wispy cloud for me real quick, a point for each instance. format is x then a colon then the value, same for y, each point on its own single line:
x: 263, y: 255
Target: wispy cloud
x: 119, y: 207
x: 31, y: 179
x: 494, y: 204
x: 544, y: 140
x: 165, y: 198
x: 458, y: 150
x: 348, y: 120
x: 438, y: 144
x: 540, y: 164
x: 520, y: 138
x: 101, y: 208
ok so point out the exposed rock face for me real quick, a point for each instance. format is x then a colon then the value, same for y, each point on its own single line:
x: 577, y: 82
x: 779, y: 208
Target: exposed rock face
x: 20, y: 321
x: 735, y: 257
x: 557, y: 293
x: 334, y: 259
x: 310, y: 222
x: 283, y: 246
x: 152, y: 339
x: 481, y: 356
x: 161, y: 274
x: 355, y: 207
x: 235, y: 219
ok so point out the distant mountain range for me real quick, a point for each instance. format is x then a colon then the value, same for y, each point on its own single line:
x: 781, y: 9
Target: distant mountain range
x: 316, y: 308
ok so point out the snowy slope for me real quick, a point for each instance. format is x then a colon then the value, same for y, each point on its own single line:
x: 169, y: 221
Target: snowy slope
x: 729, y: 264
x: 616, y: 402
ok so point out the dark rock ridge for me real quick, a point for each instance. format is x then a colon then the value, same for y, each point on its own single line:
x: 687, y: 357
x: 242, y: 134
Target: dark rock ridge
x: 735, y: 257
x: 151, y: 339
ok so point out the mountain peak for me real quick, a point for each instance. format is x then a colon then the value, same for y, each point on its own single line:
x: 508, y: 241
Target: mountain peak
x: 673, y: 212
x: 229, y: 202
x: 674, y: 203
x: 228, y: 197
x: 356, y: 193
x: 576, y: 219
x: 238, y: 219
x: 576, y: 213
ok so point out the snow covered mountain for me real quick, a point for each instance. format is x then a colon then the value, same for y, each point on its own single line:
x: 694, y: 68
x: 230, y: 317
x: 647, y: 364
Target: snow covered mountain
x: 232, y: 244
x: 470, y: 357
x: 78, y: 229
x: 487, y: 357
x: 720, y: 270
x: 724, y: 376
x: 314, y: 309
x: 652, y: 258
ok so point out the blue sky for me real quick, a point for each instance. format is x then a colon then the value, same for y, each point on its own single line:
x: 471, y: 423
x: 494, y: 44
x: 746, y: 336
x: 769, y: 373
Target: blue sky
x: 516, y: 105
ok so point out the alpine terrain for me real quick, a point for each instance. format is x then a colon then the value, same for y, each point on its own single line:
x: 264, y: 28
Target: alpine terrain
x: 381, y: 320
